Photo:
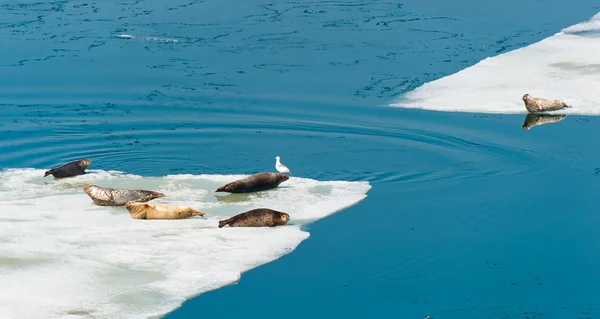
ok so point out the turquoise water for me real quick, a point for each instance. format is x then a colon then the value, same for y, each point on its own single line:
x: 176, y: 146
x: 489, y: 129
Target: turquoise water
x: 469, y: 215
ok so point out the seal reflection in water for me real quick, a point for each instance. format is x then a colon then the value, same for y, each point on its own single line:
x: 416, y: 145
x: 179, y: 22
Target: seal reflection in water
x: 532, y: 120
x: 254, y: 183
x: 534, y: 105
x: 261, y: 217
x: 70, y: 169
x: 106, y: 196
x: 139, y: 210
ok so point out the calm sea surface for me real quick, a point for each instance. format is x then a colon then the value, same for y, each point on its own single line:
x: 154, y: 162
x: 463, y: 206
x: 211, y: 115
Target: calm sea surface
x: 469, y: 215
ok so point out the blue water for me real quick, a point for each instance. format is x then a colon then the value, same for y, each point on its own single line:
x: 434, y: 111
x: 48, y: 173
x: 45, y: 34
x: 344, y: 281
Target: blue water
x: 470, y: 216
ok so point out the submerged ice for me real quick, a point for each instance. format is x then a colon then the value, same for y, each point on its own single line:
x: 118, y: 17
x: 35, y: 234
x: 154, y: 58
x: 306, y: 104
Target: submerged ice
x: 565, y: 66
x: 64, y: 257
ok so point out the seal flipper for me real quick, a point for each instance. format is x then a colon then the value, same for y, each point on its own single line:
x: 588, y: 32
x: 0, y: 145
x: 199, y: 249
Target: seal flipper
x: 151, y: 195
x: 143, y: 199
x: 224, y: 222
x: 195, y: 212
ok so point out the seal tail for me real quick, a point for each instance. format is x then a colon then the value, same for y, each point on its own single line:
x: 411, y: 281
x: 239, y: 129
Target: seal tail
x: 224, y: 222
x: 221, y: 189
x: 48, y: 173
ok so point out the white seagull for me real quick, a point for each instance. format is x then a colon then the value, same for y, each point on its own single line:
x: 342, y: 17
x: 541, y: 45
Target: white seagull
x: 280, y: 167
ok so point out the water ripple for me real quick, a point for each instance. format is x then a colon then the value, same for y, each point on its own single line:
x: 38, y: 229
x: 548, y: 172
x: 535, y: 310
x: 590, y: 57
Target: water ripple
x: 125, y: 136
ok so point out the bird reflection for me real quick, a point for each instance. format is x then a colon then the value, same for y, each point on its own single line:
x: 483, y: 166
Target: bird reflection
x: 532, y: 120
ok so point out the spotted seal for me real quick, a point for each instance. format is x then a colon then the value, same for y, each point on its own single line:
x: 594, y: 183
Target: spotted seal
x: 534, y: 105
x: 106, y: 196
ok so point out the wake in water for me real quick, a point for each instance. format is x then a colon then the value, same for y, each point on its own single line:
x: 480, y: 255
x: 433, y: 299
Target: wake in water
x: 565, y: 66
x: 65, y: 257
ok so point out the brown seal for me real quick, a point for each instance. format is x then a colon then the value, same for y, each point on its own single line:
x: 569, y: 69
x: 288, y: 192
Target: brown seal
x: 154, y: 210
x: 532, y: 120
x: 106, y: 196
x: 70, y: 169
x: 260, y: 217
x: 257, y: 182
x: 534, y: 105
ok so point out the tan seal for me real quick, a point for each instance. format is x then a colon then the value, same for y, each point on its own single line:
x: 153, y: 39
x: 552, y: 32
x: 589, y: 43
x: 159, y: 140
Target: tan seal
x: 532, y: 120
x: 257, y: 182
x: 260, y: 217
x: 154, y: 210
x: 106, y: 196
x: 70, y: 169
x: 534, y: 105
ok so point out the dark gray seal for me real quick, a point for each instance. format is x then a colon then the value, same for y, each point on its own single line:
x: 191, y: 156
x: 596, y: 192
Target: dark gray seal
x: 532, y: 120
x: 257, y: 182
x: 70, y: 169
x: 260, y: 217
x: 534, y: 105
x: 106, y: 196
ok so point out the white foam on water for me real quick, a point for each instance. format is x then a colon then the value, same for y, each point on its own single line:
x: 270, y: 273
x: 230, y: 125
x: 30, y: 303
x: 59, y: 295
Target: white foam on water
x: 565, y: 66
x: 125, y: 36
x: 61, y: 256
x: 152, y: 38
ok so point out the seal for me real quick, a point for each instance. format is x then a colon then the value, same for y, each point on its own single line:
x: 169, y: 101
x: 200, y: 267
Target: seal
x: 260, y: 217
x: 534, y: 105
x: 139, y: 210
x: 532, y: 120
x: 106, y: 196
x: 257, y: 182
x: 70, y: 169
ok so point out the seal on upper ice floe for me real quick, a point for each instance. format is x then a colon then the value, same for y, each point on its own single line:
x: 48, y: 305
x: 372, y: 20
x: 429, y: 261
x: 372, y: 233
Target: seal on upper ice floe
x: 70, y: 169
x: 257, y: 182
x: 260, y: 217
x: 106, y: 196
x: 534, y: 105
